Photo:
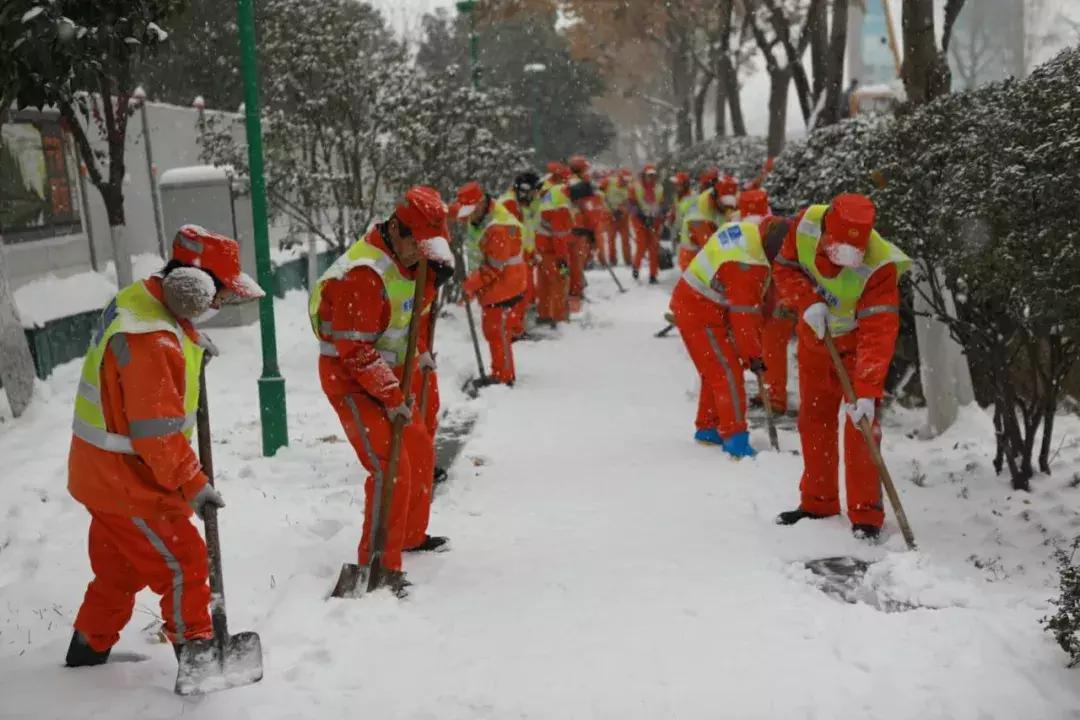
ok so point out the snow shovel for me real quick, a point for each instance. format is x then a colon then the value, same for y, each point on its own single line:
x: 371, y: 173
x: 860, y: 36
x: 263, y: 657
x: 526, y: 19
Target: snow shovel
x: 607, y: 266
x: 766, y: 401
x: 472, y: 385
x: 670, y: 326
x: 875, y: 452
x: 426, y: 372
x: 227, y: 661
x: 354, y: 581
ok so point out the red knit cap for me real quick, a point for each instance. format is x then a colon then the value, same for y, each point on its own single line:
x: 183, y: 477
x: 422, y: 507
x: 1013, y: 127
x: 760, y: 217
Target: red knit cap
x: 753, y: 202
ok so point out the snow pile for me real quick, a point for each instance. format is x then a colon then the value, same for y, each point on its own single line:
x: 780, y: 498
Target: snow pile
x: 50, y: 297
x: 603, y: 564
x: 188, y: 291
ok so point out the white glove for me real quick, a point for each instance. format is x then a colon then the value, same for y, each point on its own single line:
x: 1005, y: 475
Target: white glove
x: 206, y: 497
x: 400, y: 412
x: 427, y: 362
x: 817, y: 317
x: 862, y: 408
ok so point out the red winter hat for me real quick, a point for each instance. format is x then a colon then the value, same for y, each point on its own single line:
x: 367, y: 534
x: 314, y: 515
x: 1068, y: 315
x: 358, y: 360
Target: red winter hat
x: 579, y: 164
x: 423, y: 212
x: 682, y: 179
x: 649, y: 169
x: 850, y: 220
x: 468, y: 197
x: 217, y: 254
x: 708, y: 178
x: 726, y: 188
x: 753, y: 202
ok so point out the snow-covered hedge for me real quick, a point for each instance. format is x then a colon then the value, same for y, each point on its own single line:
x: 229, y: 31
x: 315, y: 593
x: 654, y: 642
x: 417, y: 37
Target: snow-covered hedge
x: 739, y: 156
x: 982, y: 185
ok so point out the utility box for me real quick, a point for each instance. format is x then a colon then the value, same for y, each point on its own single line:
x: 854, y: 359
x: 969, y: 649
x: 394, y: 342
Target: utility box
x: 219, y: 200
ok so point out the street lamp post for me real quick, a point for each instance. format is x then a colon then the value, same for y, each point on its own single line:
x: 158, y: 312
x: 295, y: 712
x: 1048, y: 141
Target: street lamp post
x: 532, y: 70
x: 275, y: 432
x: 468, y: 8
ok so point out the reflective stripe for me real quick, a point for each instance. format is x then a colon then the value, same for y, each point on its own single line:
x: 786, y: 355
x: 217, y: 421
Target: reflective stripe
x: 500, y: 264
x: 389, y: 356
x: 877, y: 310
x: 327, y: 349
x: 102, y: 439
x: 376, y: 473
x: 177, y: 576
x: 160, y: 427
x: 745, y: 309
x: 194, y: 246
x: 395, y: 333
x: 120, y: 348
x: 89, y: 392
x: 326, y: 327
x: 505, y: 339
x: 706, y: 290
x: 356, y: 335
x: 793, y: 264
x: 809, y: 227
x: 733, y: 389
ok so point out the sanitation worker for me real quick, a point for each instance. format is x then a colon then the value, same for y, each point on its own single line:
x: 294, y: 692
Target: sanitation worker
x: 131, y: 462
x: 684, y: 198
x: 501, y: 280
x: 717, y: 309
x: 360, y: 309
x: 646, y: 215
x: 523, y: 200
x: 553, y: 244
x: 839, y: 275
x: 617, y: 198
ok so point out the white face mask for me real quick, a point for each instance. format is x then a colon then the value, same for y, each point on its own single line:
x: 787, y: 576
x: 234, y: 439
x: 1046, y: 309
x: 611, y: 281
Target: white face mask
x: 844, y: 255
x: 204, y: 317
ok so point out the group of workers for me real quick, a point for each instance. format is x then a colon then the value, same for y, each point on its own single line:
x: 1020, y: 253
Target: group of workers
x: 750, y: 279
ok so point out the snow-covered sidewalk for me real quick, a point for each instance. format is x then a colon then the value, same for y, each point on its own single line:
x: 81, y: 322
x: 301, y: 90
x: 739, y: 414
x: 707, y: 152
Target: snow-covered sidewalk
x: 603, y: 565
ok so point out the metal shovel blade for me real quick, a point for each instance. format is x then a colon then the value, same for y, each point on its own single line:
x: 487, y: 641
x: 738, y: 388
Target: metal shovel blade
x: 206, y: 667
x: 351, y: 582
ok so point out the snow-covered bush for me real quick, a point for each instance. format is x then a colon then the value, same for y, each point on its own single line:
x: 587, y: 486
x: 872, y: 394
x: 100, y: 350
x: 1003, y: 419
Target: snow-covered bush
x: 1065, y: 623
x: 739, y: 156
x: 982, y: 186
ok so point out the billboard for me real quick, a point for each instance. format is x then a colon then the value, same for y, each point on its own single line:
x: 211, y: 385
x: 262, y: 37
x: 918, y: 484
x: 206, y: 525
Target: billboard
x: 870, y: 59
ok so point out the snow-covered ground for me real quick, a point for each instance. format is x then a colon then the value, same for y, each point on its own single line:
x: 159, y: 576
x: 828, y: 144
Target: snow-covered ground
x: 603, y: 565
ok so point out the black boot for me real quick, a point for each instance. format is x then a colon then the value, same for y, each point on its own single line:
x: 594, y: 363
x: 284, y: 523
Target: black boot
x: 80, y: 654
x: 653, y: 280
x: 397, y: 582
x: 869, y: 533
x: 440, y: 476
x: 791, y: 517
x: 432, y: 543
x: 635, y: 274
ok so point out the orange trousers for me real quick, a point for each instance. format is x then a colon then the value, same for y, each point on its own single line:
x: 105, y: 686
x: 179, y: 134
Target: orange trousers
x: 622, y: 224
x: 518, y: 312
x: 552, y: 289
x: 431, y: 414
x: 646, y: 243
x: 579, y: 255
x: 775, y: 337
x: 128, y: 554
x: 496, y: 324
x: 722, y: 400
x: 368, y: 429
x: 821, y: 395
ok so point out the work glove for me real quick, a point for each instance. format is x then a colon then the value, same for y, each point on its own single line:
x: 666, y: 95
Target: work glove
x: 817, y: 317
x: 401, y: 412
x: 757, y: 365
x: 206, y: 497
x: 861, y: 408
x: 427, y: 361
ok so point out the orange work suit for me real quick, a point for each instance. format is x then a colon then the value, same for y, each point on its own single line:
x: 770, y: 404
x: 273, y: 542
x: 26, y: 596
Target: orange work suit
x: 645, y: 229
x: 141, y: 533
x: 361, y: 386
x: 776, y: 332
x: 721, y: 341
x: 552, y: 280
x: 866, y: 353
x: 498, y: 285
x: 520, y: 308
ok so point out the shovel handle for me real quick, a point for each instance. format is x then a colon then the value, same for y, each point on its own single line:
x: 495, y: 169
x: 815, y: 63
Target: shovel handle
x: 867, y: 431
x: 210, y: 523
x: 766, y: 401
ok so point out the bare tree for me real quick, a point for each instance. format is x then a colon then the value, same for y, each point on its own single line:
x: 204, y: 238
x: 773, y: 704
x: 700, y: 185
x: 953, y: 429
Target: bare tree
x: 925, y: 71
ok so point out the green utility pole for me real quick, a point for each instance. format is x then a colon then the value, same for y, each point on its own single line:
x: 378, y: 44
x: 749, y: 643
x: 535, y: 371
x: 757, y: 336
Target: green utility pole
x: 532, y: 71
x: 275, y: 431
x: 468, y: 7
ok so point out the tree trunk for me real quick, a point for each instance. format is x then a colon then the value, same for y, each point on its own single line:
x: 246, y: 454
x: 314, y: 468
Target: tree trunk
x: 16, y: 363
x: 729, y: 80
x: 682, y: 84
x: 817, y: 25
x: 699, y: 108
x: 834, y: 69
x: 778, y: 101
x: 113, y: 196
x: 925, y: 72
x: 720, y: 107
